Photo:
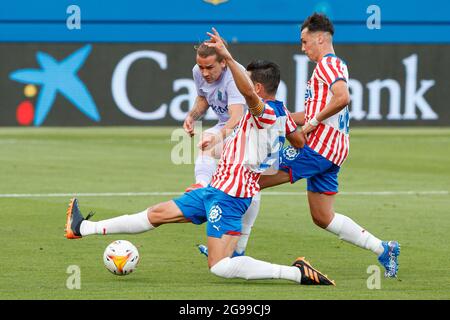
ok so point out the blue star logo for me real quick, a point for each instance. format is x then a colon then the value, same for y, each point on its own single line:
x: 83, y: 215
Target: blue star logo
x: 59, y: 77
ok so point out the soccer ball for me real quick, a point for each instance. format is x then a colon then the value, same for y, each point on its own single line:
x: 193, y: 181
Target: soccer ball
x: 121, y: 257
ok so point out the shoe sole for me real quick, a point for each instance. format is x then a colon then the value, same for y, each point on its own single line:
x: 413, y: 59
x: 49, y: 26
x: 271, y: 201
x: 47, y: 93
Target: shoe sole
x: 320, y: 273
x: 68, y: 232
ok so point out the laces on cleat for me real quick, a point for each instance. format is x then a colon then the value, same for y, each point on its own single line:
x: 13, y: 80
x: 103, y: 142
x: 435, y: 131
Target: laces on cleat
x: 90, y: 215
x: 389, y: 258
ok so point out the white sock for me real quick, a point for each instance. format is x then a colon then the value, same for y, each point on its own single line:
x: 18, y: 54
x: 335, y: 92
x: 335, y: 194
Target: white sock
x: 248, y: 220
x: 135, y: 223
x: 204, y: 169
x: 350, y: 231
x: 245, y: 267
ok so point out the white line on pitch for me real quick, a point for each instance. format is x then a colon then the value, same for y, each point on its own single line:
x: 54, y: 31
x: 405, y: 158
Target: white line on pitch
x: 266, y: 193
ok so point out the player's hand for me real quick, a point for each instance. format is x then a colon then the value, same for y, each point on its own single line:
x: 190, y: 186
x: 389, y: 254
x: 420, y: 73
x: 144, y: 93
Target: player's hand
x: 208, y: 141
x: 216, y: 42
x: 188, y: 125
x: 308, y: 127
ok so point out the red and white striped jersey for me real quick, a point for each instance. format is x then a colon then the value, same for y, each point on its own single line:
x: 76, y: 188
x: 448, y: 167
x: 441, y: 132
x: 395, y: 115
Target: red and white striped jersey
x: 331, y: 137
x: 251, y: 149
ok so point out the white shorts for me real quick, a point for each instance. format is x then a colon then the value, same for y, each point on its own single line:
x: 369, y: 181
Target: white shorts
x: 216, y: 129
x: 218, y: 147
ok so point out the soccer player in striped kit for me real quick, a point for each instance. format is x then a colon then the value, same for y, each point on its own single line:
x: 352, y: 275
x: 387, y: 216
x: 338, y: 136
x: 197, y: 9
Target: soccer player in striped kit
x: 251, y: 149
x: 326, y: 124
x: 217, y: 90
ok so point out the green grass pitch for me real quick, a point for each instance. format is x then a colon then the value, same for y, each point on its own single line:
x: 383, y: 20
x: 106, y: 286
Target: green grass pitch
x: 35, y: 255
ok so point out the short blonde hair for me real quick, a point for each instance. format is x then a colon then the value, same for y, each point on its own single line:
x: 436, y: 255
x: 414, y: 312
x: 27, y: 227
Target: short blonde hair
x: 204, y: 51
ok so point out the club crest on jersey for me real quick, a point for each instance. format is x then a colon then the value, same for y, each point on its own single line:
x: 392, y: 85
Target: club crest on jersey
x: 215, y: 213
x: 290, y: 153
x: 219, y: 95
x: 308, y: 93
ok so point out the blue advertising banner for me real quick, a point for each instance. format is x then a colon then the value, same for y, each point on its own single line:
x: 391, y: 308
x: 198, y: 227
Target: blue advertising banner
x: 249, y: 21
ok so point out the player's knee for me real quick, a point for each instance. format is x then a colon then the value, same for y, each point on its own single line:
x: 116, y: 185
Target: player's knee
x: 319, y: 222
x: 321, y: 219
x: 222, y: 268
x: 156, y: 214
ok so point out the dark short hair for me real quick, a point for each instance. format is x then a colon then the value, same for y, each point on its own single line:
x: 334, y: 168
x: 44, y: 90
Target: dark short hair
x: 265, y: 72
x: 318, y: 22
x: 204, y: 51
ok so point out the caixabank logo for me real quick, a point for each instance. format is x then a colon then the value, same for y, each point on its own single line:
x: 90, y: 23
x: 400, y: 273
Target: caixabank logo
x: 54, y: 77
x: 109, y: 84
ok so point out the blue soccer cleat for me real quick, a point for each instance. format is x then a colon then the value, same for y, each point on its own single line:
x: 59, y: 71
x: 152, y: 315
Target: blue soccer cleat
x: 237, y: 254
x: 389, y: 258
x: 203, y: 249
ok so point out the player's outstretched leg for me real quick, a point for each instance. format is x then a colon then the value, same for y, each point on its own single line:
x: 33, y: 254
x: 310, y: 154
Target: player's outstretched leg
x: 310, y: 275
x: 323, y: 214
x: 74, y: 220
x: 389, y: 258
x: 248, y: 268
x: 149, y: 219
x: 386, y: 251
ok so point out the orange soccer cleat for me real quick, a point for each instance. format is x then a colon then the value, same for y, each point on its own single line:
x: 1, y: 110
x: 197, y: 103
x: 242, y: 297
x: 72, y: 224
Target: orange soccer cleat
x: 311, y: 276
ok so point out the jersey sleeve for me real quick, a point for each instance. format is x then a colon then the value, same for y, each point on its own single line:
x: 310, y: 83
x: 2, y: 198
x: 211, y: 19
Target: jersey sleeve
x: 267, y: 118
x: 233, y: 94
x: 332, y: 69
x: 291, y: 126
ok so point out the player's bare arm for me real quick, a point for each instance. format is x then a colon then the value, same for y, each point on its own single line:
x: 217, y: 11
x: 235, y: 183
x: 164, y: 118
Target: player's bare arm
x: 297, y: 139
x: 246, y: 88
x: 242, y: 80
x: 299, y: 118
x: 199, y: 109
x: 339, y: 100
x: 236, y: 111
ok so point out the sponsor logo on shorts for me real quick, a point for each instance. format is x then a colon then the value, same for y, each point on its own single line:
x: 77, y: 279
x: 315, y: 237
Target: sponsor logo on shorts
x: 290, y: 153
x: 215, y: 214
